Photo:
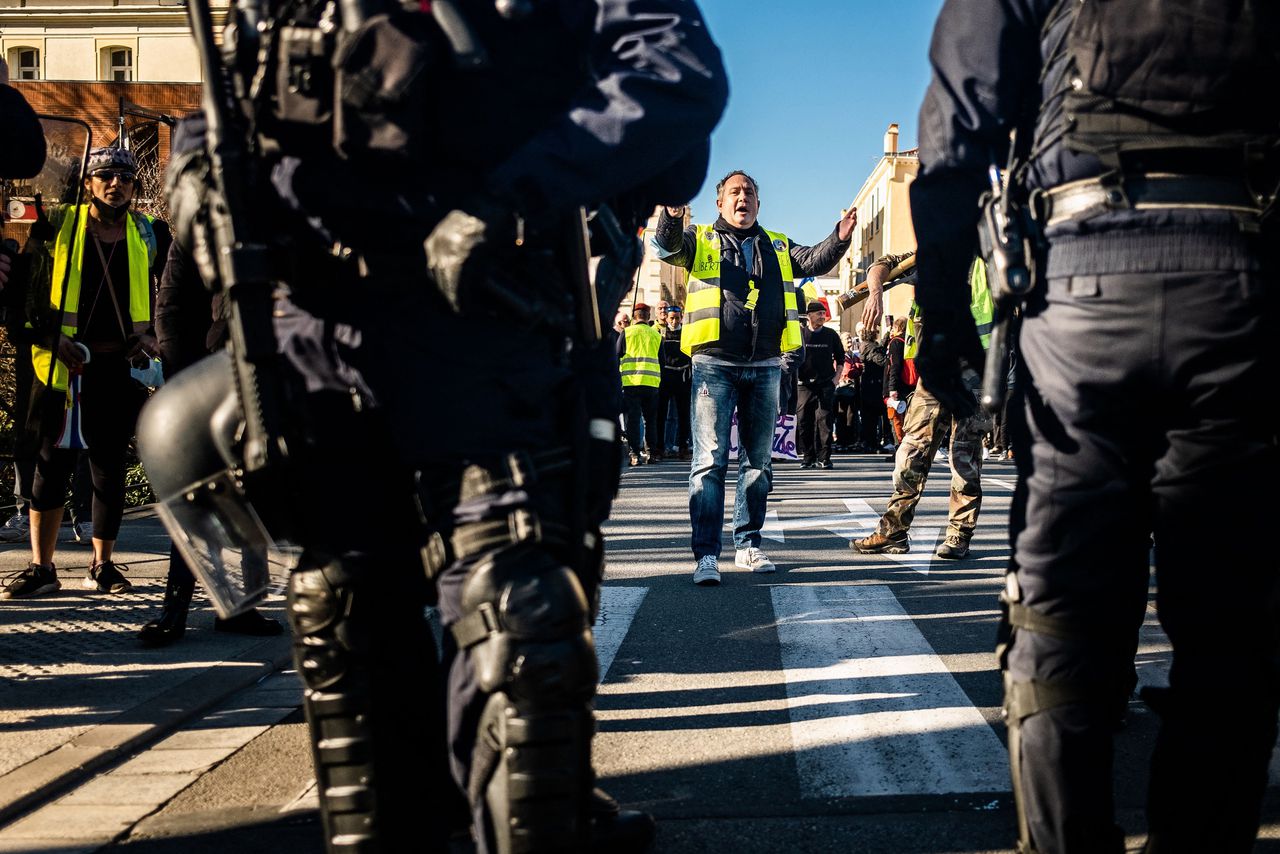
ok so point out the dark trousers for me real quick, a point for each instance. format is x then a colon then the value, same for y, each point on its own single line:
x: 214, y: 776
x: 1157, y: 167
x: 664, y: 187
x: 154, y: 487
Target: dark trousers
x: 872, y: 412
x: 815, y: 408
x: 787, y: 392
x: 559, y: 436
x: 108, y: 407
x: 1110, y: 451
x: 1000, y: 429
x: 640, y: 405
x: 674, y: 391
x: 845, y: 430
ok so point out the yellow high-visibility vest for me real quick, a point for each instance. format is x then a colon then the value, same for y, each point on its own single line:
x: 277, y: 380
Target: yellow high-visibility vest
x: 980, y: 306
x: 68, y: 248
x: 702, y: 306
x: 640, y: 365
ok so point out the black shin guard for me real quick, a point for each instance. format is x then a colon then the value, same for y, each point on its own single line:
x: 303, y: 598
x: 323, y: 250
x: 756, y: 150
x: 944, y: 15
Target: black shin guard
x: 529, y: 643
x: 379, y: 760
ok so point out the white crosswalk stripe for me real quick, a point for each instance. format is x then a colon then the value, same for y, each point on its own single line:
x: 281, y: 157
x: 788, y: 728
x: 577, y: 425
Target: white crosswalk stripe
x: 618, y: 606
x: 860, y: 521
x: 874, y: 710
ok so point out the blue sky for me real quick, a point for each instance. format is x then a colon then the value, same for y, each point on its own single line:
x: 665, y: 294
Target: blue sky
x: 813, y: 84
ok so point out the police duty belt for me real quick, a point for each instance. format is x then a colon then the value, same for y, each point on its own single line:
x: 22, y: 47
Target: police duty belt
x: 1153, y: 191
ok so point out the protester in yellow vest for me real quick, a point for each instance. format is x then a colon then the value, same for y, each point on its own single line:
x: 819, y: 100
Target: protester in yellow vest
x: 641, y: 374
x: 741, y: 315
x: 91, y: 303
x: 926, y: 423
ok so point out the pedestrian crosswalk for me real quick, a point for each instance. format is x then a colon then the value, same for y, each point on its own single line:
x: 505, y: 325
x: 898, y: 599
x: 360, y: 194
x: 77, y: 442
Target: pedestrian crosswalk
x: 618, y: 606
x: 873, y: 709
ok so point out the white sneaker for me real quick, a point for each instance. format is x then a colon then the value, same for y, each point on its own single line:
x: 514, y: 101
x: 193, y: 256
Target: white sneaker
x: 707, y: 572
x: 17, y: 529
x: 753, y: 559
x: 83, y: 530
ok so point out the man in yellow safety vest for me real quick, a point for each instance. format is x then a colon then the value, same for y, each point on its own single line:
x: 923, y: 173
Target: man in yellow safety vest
x: 641, y: 375
x: 741, y: 315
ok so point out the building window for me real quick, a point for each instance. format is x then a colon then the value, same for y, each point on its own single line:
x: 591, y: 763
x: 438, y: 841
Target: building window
x: 117, y: 64
x: 24, y: 63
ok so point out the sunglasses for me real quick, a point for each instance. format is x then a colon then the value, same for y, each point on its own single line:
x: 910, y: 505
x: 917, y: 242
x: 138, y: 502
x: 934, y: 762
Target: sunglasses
x: 105, y: 176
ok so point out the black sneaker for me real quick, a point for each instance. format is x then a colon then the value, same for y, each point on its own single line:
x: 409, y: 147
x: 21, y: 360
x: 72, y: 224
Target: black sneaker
x: 106, y: 577
x: 826, y: 465
x: 807, y: 465
x: 35, y: 580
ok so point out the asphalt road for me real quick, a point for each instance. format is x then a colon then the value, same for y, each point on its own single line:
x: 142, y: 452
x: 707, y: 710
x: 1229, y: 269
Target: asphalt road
x: 845, y: 703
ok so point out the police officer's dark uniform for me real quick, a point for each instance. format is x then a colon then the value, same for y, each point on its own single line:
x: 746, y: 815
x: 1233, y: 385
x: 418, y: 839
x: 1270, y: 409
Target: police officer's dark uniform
x: 22, y: 155
x: 492, y: 471
x: 1158, y: 287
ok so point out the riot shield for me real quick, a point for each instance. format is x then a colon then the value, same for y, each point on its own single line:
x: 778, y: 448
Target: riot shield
x: 61, y: 181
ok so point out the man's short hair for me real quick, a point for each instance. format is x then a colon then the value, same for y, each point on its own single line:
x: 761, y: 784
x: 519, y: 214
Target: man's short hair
x: 725, y: 180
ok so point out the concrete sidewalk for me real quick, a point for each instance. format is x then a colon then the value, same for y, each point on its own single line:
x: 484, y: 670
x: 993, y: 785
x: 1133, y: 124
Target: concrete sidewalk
x: 77, y: 690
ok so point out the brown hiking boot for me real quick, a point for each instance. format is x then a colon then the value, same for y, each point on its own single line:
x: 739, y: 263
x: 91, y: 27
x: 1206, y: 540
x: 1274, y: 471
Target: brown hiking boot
x: 954, y: 547
x: 878, y: 543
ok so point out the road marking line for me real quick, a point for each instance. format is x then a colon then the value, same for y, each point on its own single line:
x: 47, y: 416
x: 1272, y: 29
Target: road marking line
x: 618, y: 606
x: 874, y: 710
x: 1004, y: 484
x: 924, y: 538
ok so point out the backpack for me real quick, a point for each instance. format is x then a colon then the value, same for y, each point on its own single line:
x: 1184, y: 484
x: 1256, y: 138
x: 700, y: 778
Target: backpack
x: 910, y: 376
x: 1162, y: 81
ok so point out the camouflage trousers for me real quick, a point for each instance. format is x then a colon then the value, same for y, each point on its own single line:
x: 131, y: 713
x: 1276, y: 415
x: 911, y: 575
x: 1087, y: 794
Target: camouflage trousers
x: 926, y: 424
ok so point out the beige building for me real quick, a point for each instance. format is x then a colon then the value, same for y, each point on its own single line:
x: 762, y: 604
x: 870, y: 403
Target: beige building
x: 884, y: 224
x: 130, y: 41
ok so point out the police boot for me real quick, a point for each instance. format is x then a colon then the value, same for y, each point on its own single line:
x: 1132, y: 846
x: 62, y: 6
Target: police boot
x: 172, y: 624
x: 251, y: 623
x: 618, y: 831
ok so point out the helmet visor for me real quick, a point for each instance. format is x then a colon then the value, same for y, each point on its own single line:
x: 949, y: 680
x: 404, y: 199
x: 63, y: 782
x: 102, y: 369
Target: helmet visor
x: 223, y: 540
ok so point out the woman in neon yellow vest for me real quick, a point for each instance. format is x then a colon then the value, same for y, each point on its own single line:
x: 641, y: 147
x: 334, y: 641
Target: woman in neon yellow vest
x: 91, y: 295
x: 741, y: 315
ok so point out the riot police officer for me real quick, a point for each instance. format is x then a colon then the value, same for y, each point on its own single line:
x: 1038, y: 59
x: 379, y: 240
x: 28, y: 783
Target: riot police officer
x: 1145, y: 153
x: 444, y: 183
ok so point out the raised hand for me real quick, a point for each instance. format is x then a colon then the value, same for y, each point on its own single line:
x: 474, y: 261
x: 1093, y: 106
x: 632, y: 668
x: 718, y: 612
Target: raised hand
x: 847, y: 222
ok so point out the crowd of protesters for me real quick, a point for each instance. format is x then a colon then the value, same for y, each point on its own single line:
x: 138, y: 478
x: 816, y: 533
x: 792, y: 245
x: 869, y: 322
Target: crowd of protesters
x: 82, y: 312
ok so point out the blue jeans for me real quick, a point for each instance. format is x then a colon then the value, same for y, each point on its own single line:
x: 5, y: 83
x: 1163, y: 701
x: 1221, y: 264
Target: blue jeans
x: 717, y: 389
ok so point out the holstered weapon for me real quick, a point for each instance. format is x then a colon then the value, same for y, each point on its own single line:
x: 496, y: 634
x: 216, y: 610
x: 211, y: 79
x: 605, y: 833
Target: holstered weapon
x: 1008, y: 236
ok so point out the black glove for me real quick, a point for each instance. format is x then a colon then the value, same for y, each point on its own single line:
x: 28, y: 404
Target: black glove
x: 462, y: 253
x: 950, y: 361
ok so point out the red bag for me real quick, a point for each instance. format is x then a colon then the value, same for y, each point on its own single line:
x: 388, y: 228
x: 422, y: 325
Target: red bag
x: 910, y: 376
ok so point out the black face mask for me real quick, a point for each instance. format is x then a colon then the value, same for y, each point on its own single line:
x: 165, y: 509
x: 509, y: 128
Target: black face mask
x: 108, y: 212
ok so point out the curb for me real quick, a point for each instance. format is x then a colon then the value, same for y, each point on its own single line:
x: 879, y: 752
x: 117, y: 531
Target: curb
x: 72, y: 763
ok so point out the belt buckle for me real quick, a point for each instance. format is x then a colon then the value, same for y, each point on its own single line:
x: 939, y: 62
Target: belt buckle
x: 1113, y: 192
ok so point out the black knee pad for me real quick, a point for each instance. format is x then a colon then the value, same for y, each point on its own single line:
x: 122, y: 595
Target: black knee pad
x: 527, y: 628
x: 320, y: 597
